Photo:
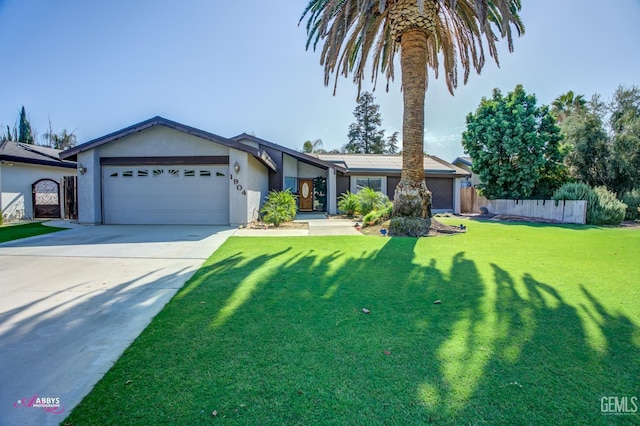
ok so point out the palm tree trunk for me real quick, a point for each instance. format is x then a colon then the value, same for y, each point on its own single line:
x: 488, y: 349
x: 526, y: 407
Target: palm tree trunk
x: 412, y: 198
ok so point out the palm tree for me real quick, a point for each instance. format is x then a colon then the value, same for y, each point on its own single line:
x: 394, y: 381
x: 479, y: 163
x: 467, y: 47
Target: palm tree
x: 61, y: 140
x: 566, y: 104
x: 309, y: 147
x: 425, y: 32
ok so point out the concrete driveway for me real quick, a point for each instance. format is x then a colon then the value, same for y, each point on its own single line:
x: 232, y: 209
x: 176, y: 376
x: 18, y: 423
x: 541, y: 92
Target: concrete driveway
x: 71, y: 302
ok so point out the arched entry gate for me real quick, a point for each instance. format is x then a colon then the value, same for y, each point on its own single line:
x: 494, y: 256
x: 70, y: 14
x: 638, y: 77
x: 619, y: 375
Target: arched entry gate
x: 46, y: 199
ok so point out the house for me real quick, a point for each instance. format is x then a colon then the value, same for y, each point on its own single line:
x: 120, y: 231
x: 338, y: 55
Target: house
x: 163, y: 172
x: 32, y: 182
x: 382, y: 173
x: 466, y: 164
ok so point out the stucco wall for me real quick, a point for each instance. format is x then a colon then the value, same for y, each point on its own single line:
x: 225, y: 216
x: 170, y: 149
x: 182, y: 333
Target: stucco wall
x: 308, y: 171
x: 161, y: 141
x: 89, y: 194
x: 253, y: 180
x: 15, y: 185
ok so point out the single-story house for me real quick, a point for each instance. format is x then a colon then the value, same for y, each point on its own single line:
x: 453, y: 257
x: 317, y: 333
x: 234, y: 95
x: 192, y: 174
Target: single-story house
x: 163, y: 172
x: 32, y: 182
x: 466, y: 163
x: 382, y: 173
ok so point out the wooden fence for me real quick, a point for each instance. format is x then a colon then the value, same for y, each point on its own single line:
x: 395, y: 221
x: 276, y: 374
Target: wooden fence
x: 470, y: 201
x: 568, y: 211
x: 560, y: 211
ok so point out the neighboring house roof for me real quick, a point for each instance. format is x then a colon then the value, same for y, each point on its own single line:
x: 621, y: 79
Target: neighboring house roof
x: 262, y: 156
x: 379, y: 163
x: 305, y: 158
x: 18, y: 152
x: 463, y: 160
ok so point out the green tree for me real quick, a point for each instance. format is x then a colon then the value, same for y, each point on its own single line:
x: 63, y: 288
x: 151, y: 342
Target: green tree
x: 364, y: 135
x: 25, y: 134
x: 567, y: 104
x: 456, y: 32
x: 589, y: 149
x: 62, y: 140
x: 624, y: 121
x: 309, y: 147
x: 515, y: 146
x: 9, y: 135
x: 392, y: 144
x: 603, y: 140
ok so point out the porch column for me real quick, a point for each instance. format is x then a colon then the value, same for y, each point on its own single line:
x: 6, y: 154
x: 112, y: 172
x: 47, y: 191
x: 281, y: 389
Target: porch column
x: 332, y: 196
x: 457, y: 184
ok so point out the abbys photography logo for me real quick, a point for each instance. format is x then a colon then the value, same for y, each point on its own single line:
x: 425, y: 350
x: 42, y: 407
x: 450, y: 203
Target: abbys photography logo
x: 619, y: 405
x: 48, y: 404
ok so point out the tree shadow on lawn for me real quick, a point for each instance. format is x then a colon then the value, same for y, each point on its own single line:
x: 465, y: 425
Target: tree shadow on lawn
x: 282, y: 339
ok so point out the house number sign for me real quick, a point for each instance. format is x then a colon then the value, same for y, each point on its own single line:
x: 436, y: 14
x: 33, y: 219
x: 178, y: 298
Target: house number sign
x: 236, y: 182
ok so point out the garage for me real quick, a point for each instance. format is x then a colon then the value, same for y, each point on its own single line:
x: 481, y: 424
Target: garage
x: 165, y: 194
x: 441, y: 192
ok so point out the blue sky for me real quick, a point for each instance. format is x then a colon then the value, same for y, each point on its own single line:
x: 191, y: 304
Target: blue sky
x: 233, y: 67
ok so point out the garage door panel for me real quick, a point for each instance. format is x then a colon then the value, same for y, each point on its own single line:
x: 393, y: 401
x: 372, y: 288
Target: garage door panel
x: 442, y: 192
x: 165, y: 195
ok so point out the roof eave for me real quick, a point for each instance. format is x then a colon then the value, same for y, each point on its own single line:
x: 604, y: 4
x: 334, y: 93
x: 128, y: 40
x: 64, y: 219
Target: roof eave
x: 14, y: 159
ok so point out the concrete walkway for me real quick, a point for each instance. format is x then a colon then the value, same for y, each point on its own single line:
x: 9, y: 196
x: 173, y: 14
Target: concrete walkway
x: 319, y: 224
x: 72, y: 301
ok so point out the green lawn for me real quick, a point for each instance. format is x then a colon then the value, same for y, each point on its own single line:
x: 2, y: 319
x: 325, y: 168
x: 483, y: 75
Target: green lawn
x: 537, y: 323
x: 16, y: 232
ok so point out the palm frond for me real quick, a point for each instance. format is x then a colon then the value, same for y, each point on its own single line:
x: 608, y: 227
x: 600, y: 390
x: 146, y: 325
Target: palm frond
x: 356, y: 32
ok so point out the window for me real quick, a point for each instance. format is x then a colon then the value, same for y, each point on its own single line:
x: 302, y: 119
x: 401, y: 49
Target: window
x: 143, y: 173
x: 218, y: 174
x: 373, y: 183
x: 115, y: 174
x: 291, y: 183
x: 205, y: 173
x: 174, y: 172
x: 128, y: 173
x: 189, y: 173
x: 158, y: 172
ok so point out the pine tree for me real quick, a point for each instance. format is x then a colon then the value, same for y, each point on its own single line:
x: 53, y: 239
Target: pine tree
x: 26, y: 133
x: 365, y: 137
x: 392, y: 144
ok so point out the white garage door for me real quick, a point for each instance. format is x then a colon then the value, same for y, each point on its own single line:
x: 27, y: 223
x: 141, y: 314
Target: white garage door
x: 194, y: 195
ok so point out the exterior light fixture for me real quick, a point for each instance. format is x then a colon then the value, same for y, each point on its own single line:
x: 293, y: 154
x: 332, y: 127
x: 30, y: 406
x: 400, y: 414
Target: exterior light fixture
x: 81, y: 169
x: 236, y: 167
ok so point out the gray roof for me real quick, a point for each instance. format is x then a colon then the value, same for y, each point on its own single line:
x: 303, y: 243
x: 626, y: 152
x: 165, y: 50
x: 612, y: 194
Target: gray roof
x: 33, y: 154
x: 306, y: 158
x: 380, y: 163
x: 463, y: 160
x: 262, y: 156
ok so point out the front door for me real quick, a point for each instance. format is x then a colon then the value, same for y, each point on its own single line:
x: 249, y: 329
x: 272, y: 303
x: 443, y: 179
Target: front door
x: 305, y: 192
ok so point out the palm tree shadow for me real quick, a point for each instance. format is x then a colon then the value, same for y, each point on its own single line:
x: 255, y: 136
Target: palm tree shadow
x: 542, y: 362
x: 297, y: 346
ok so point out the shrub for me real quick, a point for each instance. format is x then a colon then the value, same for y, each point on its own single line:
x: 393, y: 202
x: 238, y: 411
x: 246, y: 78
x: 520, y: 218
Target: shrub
x: 572, y: 191
x: 632, y: 200
x: 1, y: 217
x: 348, y: 203
x: 603, y: 208
x: 280, y: 207
x: 607, y: 209
x: 370, y: 200
x: 378, y: 216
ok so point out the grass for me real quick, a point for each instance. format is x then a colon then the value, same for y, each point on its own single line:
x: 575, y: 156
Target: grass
x: 537, y: 323
x: 16, y: 232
